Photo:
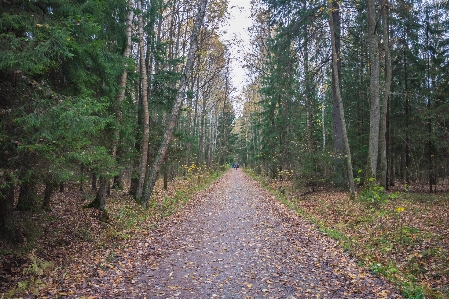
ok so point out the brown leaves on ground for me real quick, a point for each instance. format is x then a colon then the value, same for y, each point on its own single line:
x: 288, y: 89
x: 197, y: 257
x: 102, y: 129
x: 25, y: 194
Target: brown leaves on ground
x: 232, y: 240
x: 67, y: 245
x: 406, y: 238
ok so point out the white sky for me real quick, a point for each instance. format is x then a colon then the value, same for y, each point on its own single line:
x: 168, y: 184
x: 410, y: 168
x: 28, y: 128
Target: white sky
x: 238, y: 30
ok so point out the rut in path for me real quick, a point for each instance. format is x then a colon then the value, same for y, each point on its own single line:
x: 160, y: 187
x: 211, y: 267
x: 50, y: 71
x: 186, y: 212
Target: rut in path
x: 236, y: 241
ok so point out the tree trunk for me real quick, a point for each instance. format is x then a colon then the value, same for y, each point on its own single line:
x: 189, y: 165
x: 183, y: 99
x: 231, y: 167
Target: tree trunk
x: 118, y: 182
x: 384, y: 114
x: 137, y: 146
x: 340, y: 101
x: 406, y: 172
x: 94, y: 182
x: 339, y: 148
x: 308, y: 86
x: 373, y: 49
x: 201, y: 147
x: 151, y: 180
x: 100, y: 199
x: 166, y: 178
x: 188, y: 130
x: 7, y: 228
x: 28, y: 195
x: 50, y: 187
x: 197, y: 98
x: 146, y: 113
x: 81, y: 178
x: 323, y: 127
x: 430, y: 146
x: 122, y: 84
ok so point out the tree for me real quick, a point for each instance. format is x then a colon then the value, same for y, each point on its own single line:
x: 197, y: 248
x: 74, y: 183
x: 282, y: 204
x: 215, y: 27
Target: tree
x: 373, y: 50
x: 145, y: 110
x: 340, y: 102
x: 122, y: 84
x: 151, y: 180
x: 387, y: 92
x: 337, y: 120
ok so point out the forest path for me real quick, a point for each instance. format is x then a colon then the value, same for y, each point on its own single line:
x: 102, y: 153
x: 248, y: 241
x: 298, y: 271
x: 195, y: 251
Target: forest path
x: 235, y: 241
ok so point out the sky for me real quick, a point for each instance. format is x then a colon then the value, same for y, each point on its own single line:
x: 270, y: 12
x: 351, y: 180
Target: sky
x: 239, y: 22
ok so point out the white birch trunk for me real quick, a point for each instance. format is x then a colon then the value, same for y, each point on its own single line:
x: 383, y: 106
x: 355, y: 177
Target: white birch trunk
x: 151, y: 179
x: 146, y: 113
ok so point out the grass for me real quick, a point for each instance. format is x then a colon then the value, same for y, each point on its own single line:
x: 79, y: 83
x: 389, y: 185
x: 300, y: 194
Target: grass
x: 403, y: 237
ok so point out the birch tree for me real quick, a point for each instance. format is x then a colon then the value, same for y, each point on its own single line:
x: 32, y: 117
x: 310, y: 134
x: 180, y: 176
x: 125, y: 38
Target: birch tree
x: 145, y: 109
x: 123, y: 80
x: 151, y: 180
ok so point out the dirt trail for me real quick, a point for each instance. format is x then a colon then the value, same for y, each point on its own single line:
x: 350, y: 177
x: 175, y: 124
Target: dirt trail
x: 234, y: 241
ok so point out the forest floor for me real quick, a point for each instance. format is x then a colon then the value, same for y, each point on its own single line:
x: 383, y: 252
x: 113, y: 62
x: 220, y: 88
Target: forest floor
x: 231, y: 240
x: 70, y: 242
x: 401, y: 234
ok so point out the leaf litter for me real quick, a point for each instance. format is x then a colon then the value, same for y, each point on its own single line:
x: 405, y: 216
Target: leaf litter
x: 233, y: 240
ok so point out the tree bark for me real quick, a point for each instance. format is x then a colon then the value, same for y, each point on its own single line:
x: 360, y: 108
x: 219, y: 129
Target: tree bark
x: 201, y: 147
x: 146, y: 114
x: 81, y: 178
x: 50, y: 186
x: 373, y: 49
x: 122, y: 84
x: 151, y: 180
x: 406, y: 172
x: 7, y: 229
x: 429, y: 86
x: 28, y: 194
x: 384, y: 112
x: 339, y: 148
x: 166, y: 178
x: 93, y: 182
x: 308, y: 84
x: 189, y: 130
x: 100, y: 199
x: 340, y: 101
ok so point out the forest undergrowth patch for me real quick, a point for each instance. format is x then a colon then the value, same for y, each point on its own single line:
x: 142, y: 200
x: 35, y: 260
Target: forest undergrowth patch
x: 404, y: 238
x: 71, y: 243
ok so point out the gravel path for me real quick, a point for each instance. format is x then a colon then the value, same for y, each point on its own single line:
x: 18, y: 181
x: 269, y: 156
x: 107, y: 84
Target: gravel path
x: 236, y: 241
